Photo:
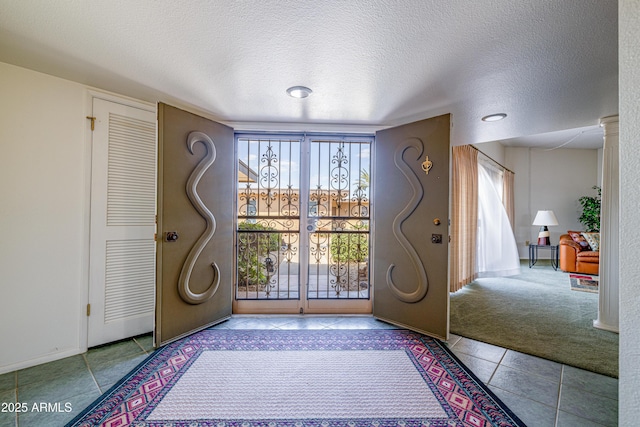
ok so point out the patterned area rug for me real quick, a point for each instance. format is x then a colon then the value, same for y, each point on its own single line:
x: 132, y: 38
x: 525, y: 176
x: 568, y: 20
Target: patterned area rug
x: 584, y: 283
x: 248, y: 378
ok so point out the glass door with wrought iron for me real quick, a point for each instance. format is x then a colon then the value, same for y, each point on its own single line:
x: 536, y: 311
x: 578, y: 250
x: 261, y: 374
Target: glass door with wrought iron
x: 303, y: 221
x: 338, y: 223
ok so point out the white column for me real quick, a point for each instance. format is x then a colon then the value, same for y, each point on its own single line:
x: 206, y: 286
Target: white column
x: 609, y: 301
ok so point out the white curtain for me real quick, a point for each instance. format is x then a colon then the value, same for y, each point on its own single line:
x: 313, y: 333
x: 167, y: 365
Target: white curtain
x: 497, y: 252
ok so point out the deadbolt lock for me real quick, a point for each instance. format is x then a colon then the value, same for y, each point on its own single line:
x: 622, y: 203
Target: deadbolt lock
x: 171, y: 236
x: 436, y: 221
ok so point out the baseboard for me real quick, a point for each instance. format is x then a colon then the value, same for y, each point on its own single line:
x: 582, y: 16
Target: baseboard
x: 40, y: 360
x: 599, y: 325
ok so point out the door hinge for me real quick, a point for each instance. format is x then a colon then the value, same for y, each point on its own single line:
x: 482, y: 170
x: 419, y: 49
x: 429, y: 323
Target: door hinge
x: 155, y: 237
x: 93, y: 122
x: 88, y: 309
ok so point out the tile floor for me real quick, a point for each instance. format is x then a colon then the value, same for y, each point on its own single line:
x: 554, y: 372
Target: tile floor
x: 540, y: 392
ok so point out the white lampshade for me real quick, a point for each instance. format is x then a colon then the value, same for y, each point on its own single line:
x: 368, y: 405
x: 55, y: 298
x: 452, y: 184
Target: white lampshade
x: 545, y: 218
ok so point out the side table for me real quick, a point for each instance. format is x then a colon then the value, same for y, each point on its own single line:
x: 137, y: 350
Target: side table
x: 533, y: 254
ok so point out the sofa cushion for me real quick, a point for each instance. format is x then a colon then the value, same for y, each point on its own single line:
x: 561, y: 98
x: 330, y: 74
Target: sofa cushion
x: 593, y: 239
x: 579, y: 239
x: 566, y: 240
x: 589, y: 256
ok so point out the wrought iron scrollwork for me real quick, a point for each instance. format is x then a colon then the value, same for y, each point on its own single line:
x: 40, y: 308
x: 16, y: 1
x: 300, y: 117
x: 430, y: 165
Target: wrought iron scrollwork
x: 289, y: 248
x: 336, y: 219
x: 339, y: 177
x: 319, y: 202
x: 319, y: 246
x: 360, y: 207
x: 290, y: 199
x: 248, y: 201
x: 269, y: 177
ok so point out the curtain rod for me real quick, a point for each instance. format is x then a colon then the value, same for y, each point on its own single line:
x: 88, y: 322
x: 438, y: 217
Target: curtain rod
x: 494, y: 161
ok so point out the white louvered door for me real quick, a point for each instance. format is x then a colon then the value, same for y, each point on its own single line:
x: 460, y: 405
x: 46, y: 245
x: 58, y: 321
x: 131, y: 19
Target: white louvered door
x: 123, y: 203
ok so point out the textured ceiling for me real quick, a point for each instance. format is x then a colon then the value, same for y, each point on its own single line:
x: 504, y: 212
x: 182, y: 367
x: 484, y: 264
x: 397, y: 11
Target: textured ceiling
x: 550, y: 65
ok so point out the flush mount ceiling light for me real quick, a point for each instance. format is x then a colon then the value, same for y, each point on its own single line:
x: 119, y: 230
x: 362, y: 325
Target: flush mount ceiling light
x: 494, y: 117
x: 299, y: 91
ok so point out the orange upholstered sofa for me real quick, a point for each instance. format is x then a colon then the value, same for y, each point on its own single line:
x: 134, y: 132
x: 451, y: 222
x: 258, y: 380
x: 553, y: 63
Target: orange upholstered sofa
x: 576, y: 256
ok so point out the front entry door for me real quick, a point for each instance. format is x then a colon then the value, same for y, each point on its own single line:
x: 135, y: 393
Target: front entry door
x: 411, y: 226
x: 303, y: 224
x: 196, y: 198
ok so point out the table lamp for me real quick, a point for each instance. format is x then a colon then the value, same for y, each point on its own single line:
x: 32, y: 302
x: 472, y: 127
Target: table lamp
x: 543, y: 219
